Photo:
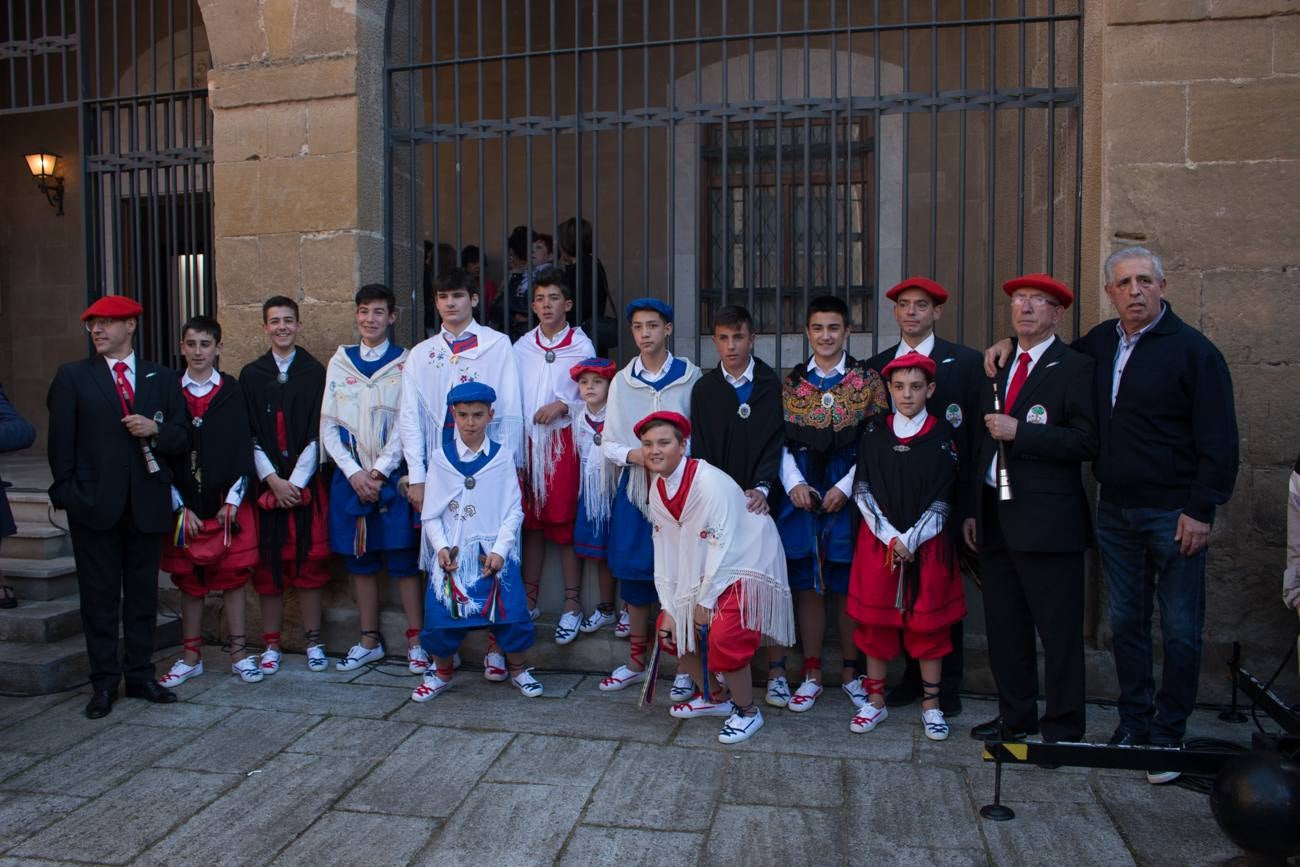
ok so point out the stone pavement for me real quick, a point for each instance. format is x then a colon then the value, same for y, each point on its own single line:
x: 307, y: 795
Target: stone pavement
x: 343, y: 769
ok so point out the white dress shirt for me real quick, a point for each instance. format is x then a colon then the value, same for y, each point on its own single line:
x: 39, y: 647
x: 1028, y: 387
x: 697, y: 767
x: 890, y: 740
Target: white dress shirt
x: 790, y: 475
x: 305, y: 467
x: 374, y: 353
x: 905, y: 427
x: 644, y: 373
x: 673, y: 480
x: 129, y: 373
x: 1125, y: 350
x: 925, y: 347
x: 991, y: 477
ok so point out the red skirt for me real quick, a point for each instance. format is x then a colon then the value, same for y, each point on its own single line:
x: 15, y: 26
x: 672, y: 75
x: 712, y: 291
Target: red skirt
x: 314, y: 572
x: 561, y: 489
x: 731, y: 645
x: 873, y: 586
x: 228, y: 572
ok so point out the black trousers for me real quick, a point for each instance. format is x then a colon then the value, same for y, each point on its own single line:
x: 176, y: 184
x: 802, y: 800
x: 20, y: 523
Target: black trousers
x: 1024, y: 590
x: 117, y: 572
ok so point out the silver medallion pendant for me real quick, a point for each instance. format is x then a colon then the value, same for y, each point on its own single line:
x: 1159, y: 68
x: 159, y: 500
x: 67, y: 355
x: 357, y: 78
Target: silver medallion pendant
x: 828, y: 400
x: 198, y: 422
x: 282, y: 378
x: 743, y: 411
x: 902, y: 448
x: 550, y: 356
x: 470, y: 483
x: 596, y: 439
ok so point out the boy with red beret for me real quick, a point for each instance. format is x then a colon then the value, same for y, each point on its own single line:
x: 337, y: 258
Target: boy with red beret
x: 719, y: 572
x: 595, y: 496
x: 905, y: 590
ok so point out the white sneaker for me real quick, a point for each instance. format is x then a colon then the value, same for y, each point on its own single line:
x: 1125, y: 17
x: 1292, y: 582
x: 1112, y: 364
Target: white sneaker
x: 739, y: 728
x: 530, y: 686
x: 316, y: 658
x: 595, y: 620
x: 430, y: 687
x: 620, y: 678
x: 868, y: 717
x: 269, y: 661
x: 805, y: 696
x: 247, y: 670
x: 494, y: 667
x: 856, y: 692
x: 623, y: 628
x: 778, y: 692
x: 358, y: 656
x: 683, y: 688
x: 455, y: 661
x: 567, y: 629
x: 534, y: 613
x: 699, y: 706
x: 417, y: 661
x: 1160, y: 778
x: 934, y: 725
x: 180, y: 672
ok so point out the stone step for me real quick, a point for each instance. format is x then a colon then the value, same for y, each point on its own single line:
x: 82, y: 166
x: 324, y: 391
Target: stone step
x: 34, y: 507
x: 37, y: 541
x: 32, y: 668
x: 40, y: 580
x: 41, y: 622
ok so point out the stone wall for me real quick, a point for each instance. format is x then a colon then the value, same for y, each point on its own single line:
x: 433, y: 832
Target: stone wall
x: 1201, y: 162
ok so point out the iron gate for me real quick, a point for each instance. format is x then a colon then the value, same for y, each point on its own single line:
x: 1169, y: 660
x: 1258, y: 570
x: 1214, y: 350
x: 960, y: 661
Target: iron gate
x: 753, y: 151
x: 137, y: 71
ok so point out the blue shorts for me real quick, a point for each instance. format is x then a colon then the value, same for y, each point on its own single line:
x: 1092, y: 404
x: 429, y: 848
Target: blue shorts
x: 400, y: 563
x: 631, y: 544
x: 590, y: 539
x: 511, y: 637
x: 638, y: 592
x: 803, y: 575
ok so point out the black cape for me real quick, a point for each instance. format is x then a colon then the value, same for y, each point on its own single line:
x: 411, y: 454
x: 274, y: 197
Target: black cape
x: 300, y: 398
x: 747, y: 449
x: 220, y: 454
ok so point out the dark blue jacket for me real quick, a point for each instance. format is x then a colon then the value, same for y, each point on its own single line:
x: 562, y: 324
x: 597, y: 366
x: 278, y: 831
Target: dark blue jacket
x: 15, y: 433
x: 1170, y: 441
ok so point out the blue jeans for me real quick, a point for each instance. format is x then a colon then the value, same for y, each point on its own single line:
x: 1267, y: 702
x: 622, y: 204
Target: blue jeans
x: 1142, y: 562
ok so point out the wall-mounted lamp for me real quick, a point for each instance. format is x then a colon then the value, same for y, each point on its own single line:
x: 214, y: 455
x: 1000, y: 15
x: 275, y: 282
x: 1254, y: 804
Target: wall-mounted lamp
x: 44, y: 168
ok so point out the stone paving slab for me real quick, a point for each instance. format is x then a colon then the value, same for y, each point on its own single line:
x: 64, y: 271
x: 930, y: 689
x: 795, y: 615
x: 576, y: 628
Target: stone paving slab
x: 920, y: 856
x: 13, y: 709
x: 775, y: 836
x: 1023, y: 784
x: 455, y: 759
x: 348, y: 736
x: 507, y: 823
x: 241, y: 742
x: 12, y: 763
x: 23, y: 814
x: 346, y: 839
x: 660, y: 788
x: 781, y: 780
x: 1164, y: 825
x: 817, y: 732
x: 552, y: 761
x: 112, y: 829
x: 897, y: 806
x: 322, y: 696
x: 632, y: 847
x: 98, y: 763
x: 260, y: 816
x: 182, y: 714
x: 64, y: 724
x: 1053, y: 834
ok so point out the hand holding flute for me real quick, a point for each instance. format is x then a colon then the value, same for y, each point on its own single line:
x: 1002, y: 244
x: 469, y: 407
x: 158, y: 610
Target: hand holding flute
x: 1003, y: 429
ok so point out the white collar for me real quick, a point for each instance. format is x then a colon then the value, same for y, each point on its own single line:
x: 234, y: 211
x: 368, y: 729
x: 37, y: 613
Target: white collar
x: 639, y: 368
x: 673, y: 480
x: 213, y: 381
x: 738, y: 381
x: 839, y: 368
x: 597, y: 416
x: 925, y: 347
x: 466, y: 454
x: 373, y: 353
x: 1037, y: 352
x: 283, y: 363
x: 471, y: 328
x: 129, y: 359
x: 550, y: 342
x: 905, y: 427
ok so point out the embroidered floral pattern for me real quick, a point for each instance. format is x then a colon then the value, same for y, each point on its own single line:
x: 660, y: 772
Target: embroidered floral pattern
x: 860, y: 393
x: 712, y: 535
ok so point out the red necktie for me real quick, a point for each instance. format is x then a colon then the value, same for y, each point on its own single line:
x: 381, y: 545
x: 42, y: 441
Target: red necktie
x: 124, y: 389
x: 1017, y: 380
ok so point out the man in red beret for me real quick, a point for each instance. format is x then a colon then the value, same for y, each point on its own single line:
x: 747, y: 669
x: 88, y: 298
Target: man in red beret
x: 112, y: 420
x: 959, y: 385
x: 1031, y: 545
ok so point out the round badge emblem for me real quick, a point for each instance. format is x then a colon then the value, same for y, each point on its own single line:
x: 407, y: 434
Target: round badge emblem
x: 282, y: 378
x: 596, y: 439
x: 550, y: 356
x: 1037, y: 414
x: 953, y: 415
x: 828, y: 400
x: 743, y: 411
x: 470, y: 483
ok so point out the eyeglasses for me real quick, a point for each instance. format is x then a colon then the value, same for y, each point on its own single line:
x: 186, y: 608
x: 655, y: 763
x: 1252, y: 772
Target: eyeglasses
x: 99, y: 322
x: 1035, y: 301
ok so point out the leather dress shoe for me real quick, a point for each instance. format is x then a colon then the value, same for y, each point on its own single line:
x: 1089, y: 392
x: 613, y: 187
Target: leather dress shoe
x: 996, y: 730
x: 101, y: 703
x: 1125, y: 738
x: 950, y: 703
x: 150, y: 690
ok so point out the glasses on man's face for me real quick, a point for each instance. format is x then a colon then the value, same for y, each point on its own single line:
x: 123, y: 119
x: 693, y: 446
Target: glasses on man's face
x: 1035, y: 302
x: 98, y: 322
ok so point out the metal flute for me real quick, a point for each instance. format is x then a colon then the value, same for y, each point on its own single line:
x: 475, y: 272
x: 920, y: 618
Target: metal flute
x: 1004, y: 480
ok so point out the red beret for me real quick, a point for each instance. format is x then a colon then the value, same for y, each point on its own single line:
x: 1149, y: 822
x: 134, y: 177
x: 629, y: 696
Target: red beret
x: 1043, y: 283
x: 677, y: 420
x: 599, y: 366
x: 912, y: 359
x: 113, y: 307
x: 929, y: 287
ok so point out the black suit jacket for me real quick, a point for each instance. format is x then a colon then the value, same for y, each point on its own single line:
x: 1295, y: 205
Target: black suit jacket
x: 1049, y: 511
x: 97, y: 466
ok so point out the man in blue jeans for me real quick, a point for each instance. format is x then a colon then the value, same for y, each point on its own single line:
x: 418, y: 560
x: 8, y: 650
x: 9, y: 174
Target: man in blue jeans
x: 1168, y: 458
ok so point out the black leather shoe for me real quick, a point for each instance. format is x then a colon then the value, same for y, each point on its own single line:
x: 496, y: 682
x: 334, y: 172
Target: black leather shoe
x: 995, y: 730
x: 101, y: 703
x: 950, y: 704
x: 1125, y: 738
x: 906, y: 692
x: 150, y: 690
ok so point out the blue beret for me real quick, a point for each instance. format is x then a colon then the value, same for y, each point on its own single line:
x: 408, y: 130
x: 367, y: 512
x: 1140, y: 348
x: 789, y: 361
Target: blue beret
x: 471, y: 392
x: 664, y: 310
